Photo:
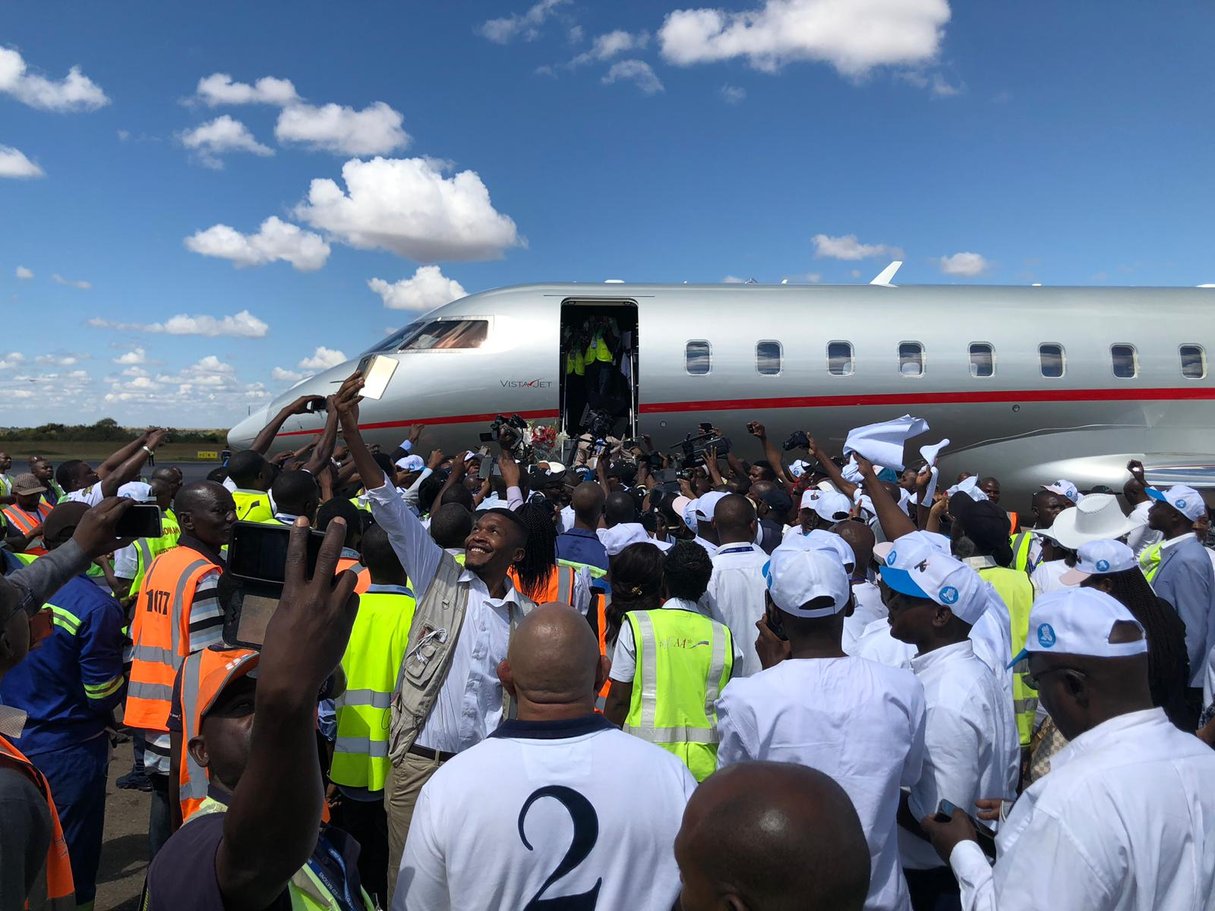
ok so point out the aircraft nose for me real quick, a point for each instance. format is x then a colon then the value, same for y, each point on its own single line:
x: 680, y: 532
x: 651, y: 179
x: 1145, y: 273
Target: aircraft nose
x: 242, y: 435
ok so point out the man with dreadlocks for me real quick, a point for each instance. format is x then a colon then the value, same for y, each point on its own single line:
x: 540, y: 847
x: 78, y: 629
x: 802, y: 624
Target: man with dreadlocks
x: 538, y: 575
x: 448, y: 695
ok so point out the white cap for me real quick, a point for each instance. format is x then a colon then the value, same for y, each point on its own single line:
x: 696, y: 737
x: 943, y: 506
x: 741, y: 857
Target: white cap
x: 1064, y: 488
x: 137, y: 491
x: 827, y: 542
x: 915, y: 567
x: 706, y: 506
x: 618, y: 537
x: 970, y: 487
x: 832, y: 507
x: 796, y: 577
x: 1097, y: 517
x: 937, y: 542
x: 809, y: 497
x: 1186, y: 500
x: 798, y: 468
x: 1078, y: 621
x: 411, y: 463
x: 1097, y: 558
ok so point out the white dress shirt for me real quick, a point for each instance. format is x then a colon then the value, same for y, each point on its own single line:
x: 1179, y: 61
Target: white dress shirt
x: 495, y: 823
x: 1125, y: 821
x: 736, y: 597
x: 469, y: 704
x: 971, y: 745
x: 860, y: 722
x: 869, y: 608
x: 1141, y: 537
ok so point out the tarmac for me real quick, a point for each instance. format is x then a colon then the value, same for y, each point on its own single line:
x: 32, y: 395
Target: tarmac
x: 124, y: 851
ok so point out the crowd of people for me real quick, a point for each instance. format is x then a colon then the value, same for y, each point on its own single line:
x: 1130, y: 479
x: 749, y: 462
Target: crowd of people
x: 636, y: 681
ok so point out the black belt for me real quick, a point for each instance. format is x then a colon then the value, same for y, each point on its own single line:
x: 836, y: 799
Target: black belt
x: 432, y: 754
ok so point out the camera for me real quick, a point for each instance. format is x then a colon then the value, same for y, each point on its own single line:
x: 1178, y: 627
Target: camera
x: 694, y: 447
x: 799, y: 439
x: 599, y: 424
x: 509, y: 433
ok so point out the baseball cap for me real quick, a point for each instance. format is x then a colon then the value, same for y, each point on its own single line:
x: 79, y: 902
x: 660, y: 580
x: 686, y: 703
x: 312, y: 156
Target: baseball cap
x: 1064, y: 488
x: 1097, y: 558
x: 810, y: 497
x: 832, y: 506
x: 618, y: 537
x: 915, y: 567
x: 411, y: 463
x: 827, y: 542
x: 242, y: 662
x: 1186, y: 500
x: 798, y: 468
x: 27, y: 484
x: 1079, y: 621
x: 706, y: 506
x: 137, y: 491
x: 796, y: 577
x: 937, y: 541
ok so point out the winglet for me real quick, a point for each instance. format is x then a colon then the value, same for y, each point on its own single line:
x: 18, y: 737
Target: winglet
x: 884, y: 277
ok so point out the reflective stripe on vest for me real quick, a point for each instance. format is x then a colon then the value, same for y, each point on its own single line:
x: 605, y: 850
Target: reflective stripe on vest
x: 252, y: 506
x: 363, y: 574
x: 21, y: 520
x: 602, y: 601
x: 1021, y: 544
x: 677, y: 684
x: 595, y: 571
x: 60, y: 888
x: 560, y: 586
x: 160, y: 633
x: 308, y: 892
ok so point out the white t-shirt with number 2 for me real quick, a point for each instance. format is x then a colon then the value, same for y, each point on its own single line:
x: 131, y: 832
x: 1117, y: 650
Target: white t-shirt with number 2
x: 576, y: 810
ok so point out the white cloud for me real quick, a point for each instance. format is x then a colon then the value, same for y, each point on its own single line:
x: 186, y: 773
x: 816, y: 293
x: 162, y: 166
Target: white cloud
x: 322, y: 359
x: 218, y: 88
x: 429, y: 288
x: 132, y: 357
x: 847, y: 246
x: 934, y: 82
x: 407, y: 206
x: 74, y: 92
x: 854, y: 36
x: 612, y: 44
x: 733, y: 94
x: 206, y: 390
x: 13, y: 163
x: 964, y: 264
x: 286, y: 376
x: 375, y: 130
x: 520, y: 25
x: 71, y: 282
x: 24, y: 273
x: 275, y: 240
x: 219, y: 136
x: 732, y: 280
x: 59, y: 360
x: 242, y: 325
x: 10, y: 360
x: 636, y: 71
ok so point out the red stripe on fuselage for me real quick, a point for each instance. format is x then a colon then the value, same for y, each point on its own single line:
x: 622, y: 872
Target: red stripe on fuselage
x: 900, y: 400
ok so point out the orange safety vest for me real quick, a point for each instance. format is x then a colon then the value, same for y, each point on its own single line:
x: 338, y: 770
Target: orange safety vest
x: 160, y: 634
x: 60, y: 888
x: 600, y: 602
x: 21, y: 520
x: 364, y: 574
x: 1012, y: 523
x: 560, y: 586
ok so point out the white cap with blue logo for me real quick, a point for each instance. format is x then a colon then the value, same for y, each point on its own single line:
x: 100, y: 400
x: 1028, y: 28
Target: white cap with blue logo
x: 1100, y: 558
x: 1079, y: 621
x: 916, y: 567
x: 1186, y: 500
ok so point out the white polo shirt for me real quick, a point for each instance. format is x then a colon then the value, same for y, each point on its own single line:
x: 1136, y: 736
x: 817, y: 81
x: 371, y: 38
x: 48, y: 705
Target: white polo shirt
x: 736, y: 598
x: 1125, y: 821
x: 1047, y: 577
x: 578, y: 802
x: 869, y: 608
x: 971, y: 746
x: 860, y: 722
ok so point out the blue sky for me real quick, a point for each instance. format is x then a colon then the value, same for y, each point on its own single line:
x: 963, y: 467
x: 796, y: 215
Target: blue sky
x: 195, y: 201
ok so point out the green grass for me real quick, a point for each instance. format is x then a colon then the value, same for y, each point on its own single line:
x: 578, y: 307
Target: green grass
x: 60, y: 451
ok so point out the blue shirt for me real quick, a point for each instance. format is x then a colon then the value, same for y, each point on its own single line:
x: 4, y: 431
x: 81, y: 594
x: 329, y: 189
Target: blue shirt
x: 579, y: 545
x: 70, y: 683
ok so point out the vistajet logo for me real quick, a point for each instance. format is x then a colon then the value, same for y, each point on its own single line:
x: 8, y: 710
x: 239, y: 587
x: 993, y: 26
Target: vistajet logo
x: 526, y: 384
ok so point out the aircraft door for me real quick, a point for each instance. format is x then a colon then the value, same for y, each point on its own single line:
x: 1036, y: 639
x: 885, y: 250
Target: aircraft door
x: 599, y: 368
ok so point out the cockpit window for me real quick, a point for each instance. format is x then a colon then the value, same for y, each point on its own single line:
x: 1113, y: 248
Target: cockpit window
x: 436, y: 334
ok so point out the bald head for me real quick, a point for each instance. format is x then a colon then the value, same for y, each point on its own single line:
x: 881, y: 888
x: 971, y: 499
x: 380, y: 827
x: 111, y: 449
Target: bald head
x: 734, y: 517
x: 773, y: 837
x: 553, y: 664
x: 587, y: 503
x: 860, y: 538
x: 619, y: 509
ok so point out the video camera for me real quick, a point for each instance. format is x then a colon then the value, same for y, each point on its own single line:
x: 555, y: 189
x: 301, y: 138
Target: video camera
x: 799, y: 439
x: 694, y: 447
x: 509, y: 433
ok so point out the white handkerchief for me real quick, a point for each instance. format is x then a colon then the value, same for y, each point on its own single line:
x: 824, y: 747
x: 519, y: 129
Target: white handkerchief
x: 882, y: 443
x: 931, y: 453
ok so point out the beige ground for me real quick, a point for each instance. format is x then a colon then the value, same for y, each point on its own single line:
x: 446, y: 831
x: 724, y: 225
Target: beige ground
x: 125, y: 850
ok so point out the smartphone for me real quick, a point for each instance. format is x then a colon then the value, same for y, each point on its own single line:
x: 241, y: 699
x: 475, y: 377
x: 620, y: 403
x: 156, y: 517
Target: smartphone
x: 258, y: 552
x: 316, y: 406
x: 142, y: 520
x: 775, y: 624
x: 377, y: 371
x: 985, y: 836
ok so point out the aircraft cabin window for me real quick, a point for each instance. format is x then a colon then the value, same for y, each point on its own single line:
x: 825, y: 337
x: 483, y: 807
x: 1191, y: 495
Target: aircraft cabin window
x: 1052, y: 359
x: 1125, y: 361
x: 839, y: 358
x: 698, y: 357
x: 767, y: 358
x: 982, y: 359
x: 911, y: 359
x: 1193, y: 362
x: 443, y: 334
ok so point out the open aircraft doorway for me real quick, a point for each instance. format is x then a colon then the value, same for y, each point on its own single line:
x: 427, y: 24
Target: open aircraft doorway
x: 598, y: 368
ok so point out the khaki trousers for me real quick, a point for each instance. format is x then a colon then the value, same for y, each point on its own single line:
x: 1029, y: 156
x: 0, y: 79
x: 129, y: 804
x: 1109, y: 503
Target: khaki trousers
x: 400, y: 797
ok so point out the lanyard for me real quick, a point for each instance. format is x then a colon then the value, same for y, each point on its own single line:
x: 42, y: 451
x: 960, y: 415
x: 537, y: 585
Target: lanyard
x: 345, y: 900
